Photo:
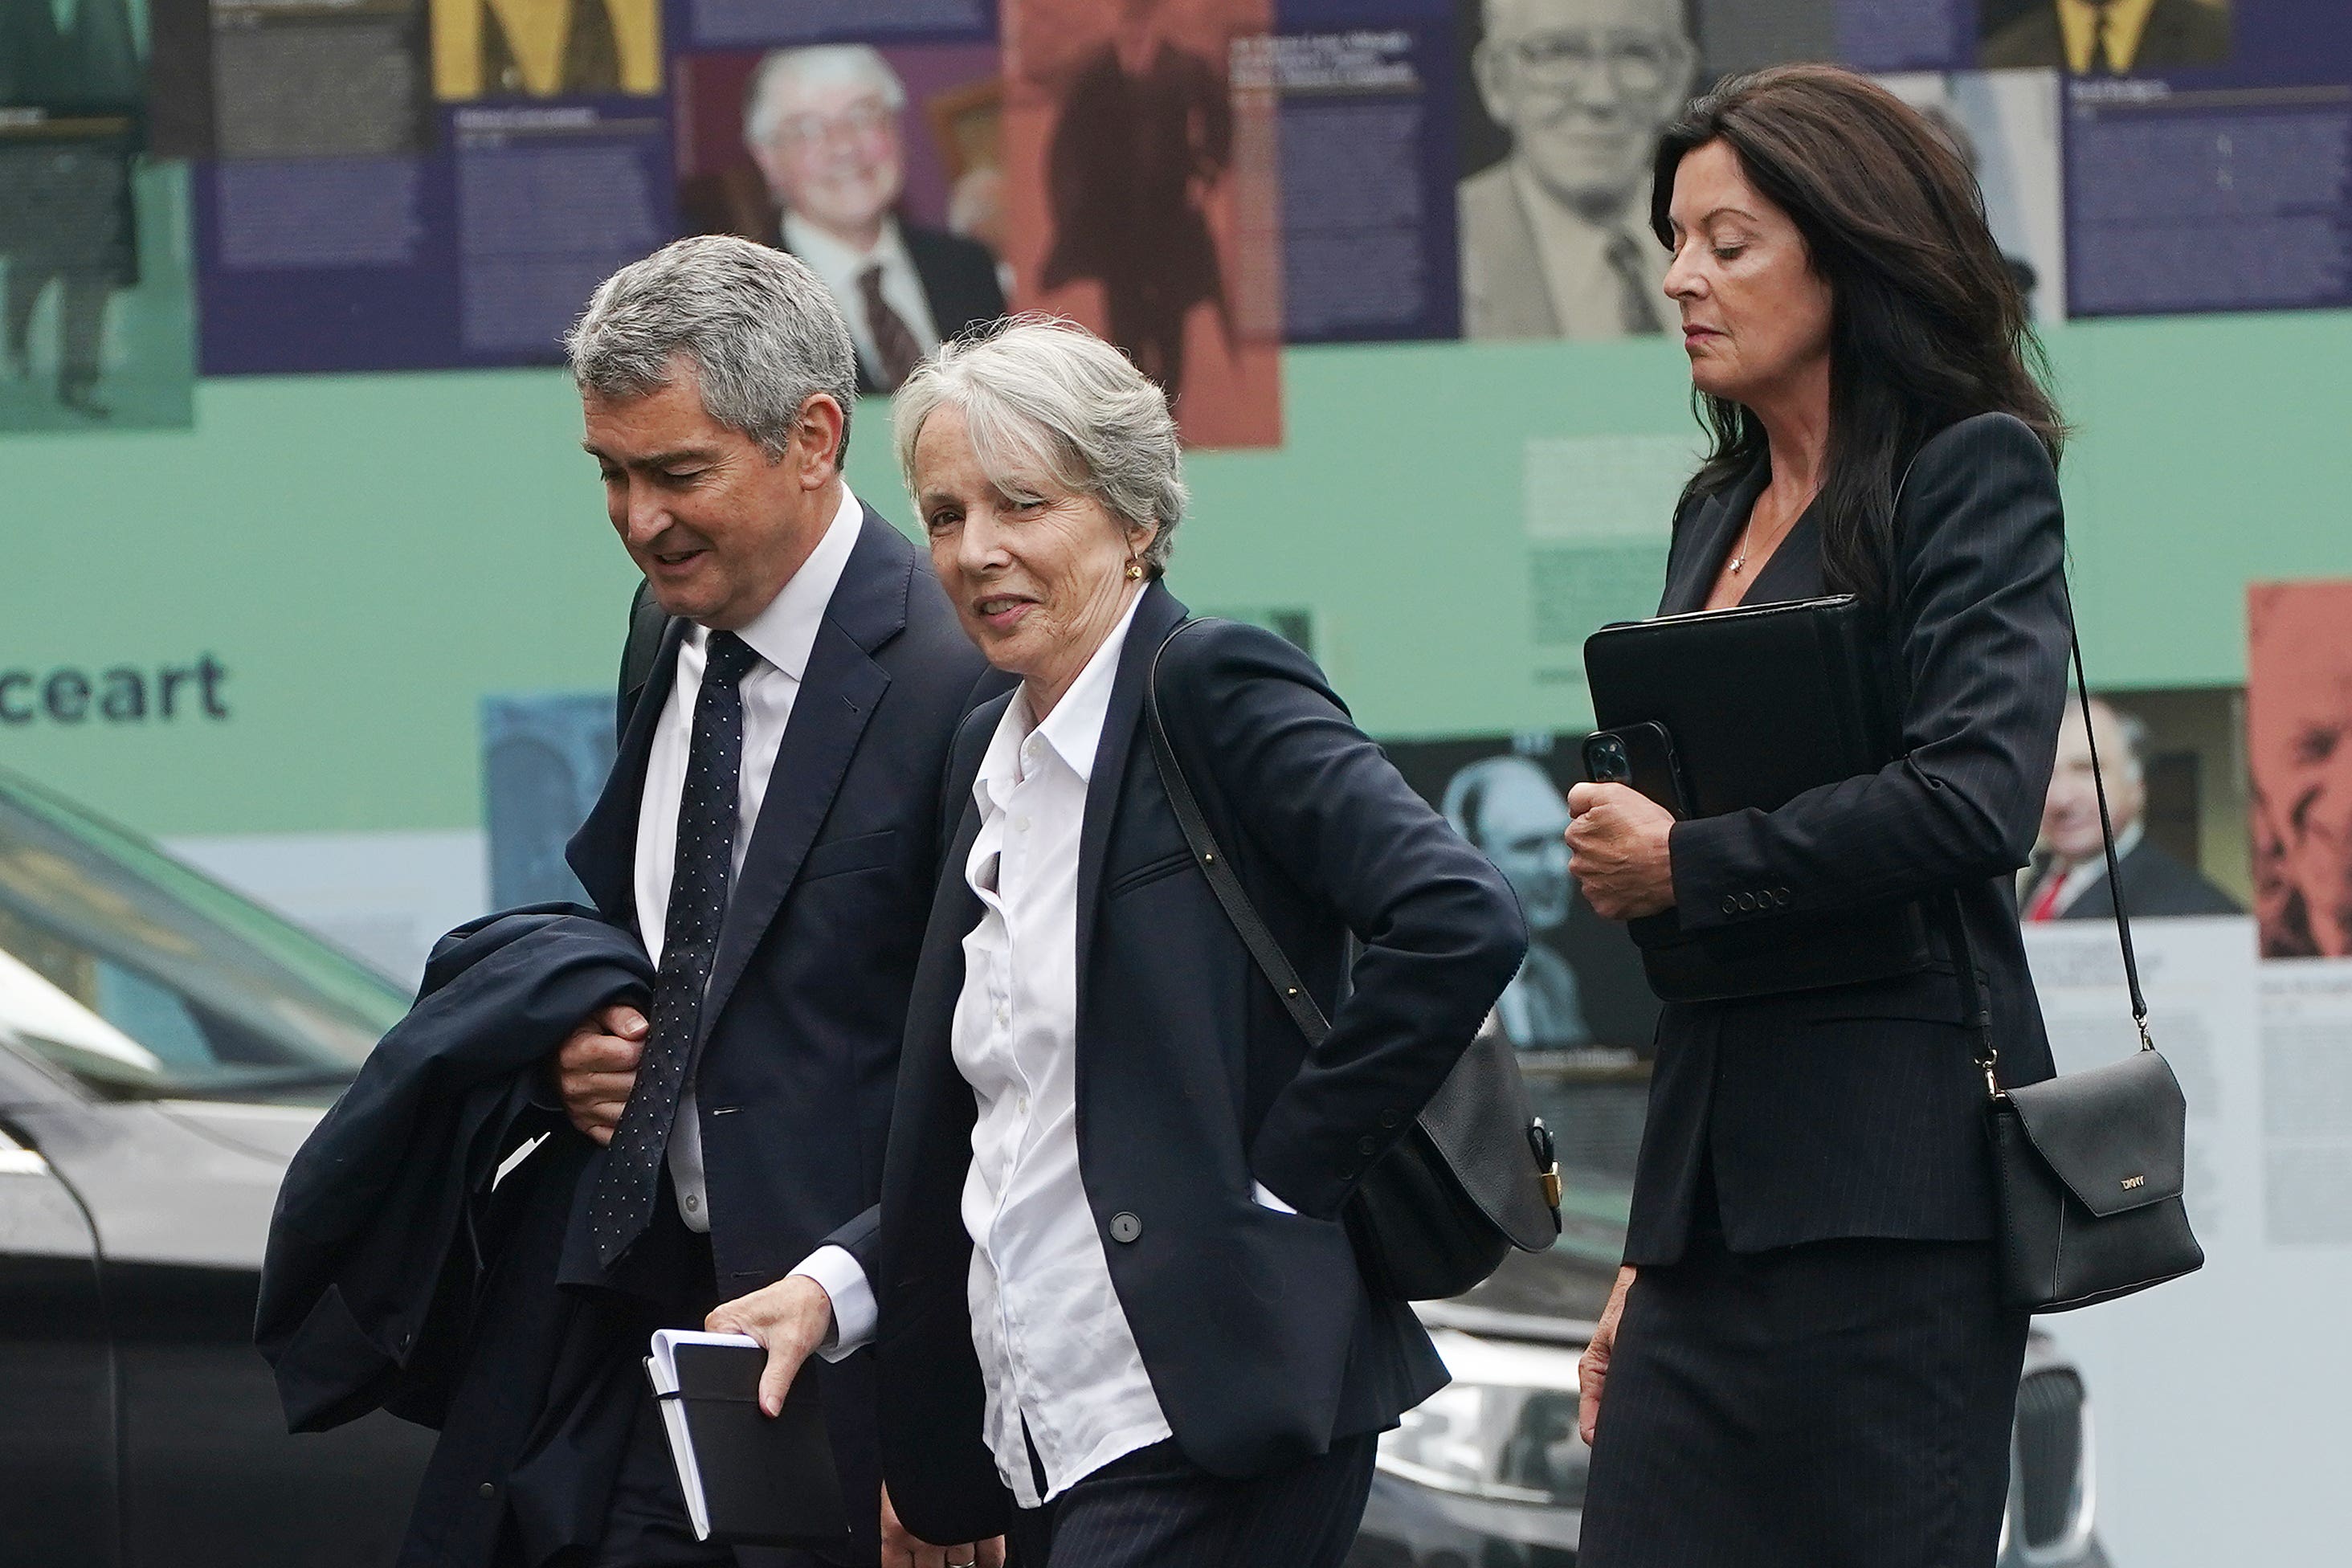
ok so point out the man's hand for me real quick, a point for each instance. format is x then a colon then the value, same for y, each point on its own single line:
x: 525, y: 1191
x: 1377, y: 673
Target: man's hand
x: 791, y: 1318
x: 1617, y: 850
x: 1592, y: 1366
x: 901, y: 1550
x: 596, y: 1066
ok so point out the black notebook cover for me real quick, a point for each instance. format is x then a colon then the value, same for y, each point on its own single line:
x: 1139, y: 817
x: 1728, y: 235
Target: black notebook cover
x: 761, y: 1482
x: 1763, y: 702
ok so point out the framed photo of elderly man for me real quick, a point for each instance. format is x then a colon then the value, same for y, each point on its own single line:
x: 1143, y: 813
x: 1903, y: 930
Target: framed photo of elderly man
x: 880, y: 167
x: 1561, y: 118
x: 1140, y: 189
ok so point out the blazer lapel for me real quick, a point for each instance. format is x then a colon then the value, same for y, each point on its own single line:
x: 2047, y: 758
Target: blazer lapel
x: 839, y: 691
x: 603, y: 853
x: 1702, y: 543
x: 1155, y: 618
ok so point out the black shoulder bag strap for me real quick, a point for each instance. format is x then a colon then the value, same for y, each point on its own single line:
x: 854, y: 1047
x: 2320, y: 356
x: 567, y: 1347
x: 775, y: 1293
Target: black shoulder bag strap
x: 1218, y: 869
x: 1972, y: 995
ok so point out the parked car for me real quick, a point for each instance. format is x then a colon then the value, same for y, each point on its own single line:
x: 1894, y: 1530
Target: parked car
x: 164, y: 1048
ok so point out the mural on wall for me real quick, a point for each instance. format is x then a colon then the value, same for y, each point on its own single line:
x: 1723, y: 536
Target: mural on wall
x: 437, y: 184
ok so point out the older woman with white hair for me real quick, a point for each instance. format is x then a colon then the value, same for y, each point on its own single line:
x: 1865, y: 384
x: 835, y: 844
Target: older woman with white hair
x: 1117, y: 1311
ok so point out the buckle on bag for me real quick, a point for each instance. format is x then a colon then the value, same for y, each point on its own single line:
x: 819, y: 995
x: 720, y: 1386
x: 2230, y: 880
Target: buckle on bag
x: 1540, y: 1141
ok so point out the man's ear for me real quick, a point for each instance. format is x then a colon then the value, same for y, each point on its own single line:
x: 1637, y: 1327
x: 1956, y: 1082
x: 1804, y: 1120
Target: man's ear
x: 817, y: 440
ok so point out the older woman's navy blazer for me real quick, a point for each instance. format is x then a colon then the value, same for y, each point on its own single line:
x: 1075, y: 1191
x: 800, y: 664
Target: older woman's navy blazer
x: 1261, y: 1341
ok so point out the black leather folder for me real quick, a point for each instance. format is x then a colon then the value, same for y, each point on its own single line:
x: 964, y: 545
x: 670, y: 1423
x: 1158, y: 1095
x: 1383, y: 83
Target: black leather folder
x: 1762, y: 702
x: 749, y: 1480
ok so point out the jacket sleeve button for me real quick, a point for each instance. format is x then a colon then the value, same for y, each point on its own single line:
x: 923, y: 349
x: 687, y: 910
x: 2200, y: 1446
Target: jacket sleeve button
x: 488, y: 1490
x: 1731, y: 904
x: 1367, y: 1146
x: 1392, y: 1118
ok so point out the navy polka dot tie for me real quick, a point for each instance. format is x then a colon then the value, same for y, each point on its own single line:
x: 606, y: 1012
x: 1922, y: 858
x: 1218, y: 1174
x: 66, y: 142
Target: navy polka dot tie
x: 630, y: 1184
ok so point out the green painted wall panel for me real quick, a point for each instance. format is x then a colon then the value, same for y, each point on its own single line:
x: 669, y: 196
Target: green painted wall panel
x: 368, y: 555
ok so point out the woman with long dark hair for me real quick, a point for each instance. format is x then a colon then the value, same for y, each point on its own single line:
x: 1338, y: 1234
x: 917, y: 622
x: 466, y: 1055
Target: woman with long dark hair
x: 1807, y: 1360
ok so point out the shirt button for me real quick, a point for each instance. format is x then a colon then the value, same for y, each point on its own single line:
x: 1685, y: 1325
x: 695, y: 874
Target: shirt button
x: 693, y: 1204
x: 1003, y: 1014
x: 1025, y: 1105
x: 1125, y: 1226
x: 1021, y: 824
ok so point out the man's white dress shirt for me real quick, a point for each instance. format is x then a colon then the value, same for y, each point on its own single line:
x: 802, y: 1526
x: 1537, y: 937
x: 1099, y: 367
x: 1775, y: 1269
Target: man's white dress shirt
x: 782, y: 635
x: 1587, y: 293
x: 840, y: 265
x: 1055, y: 1348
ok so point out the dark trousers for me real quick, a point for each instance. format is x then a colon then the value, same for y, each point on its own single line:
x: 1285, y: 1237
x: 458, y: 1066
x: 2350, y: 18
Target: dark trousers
x: 1156, y: 1508
x: 1839, y: 1405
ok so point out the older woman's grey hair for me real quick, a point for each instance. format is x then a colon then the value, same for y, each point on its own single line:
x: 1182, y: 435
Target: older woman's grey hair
x: 1045, y: 400
x: 760, y: 330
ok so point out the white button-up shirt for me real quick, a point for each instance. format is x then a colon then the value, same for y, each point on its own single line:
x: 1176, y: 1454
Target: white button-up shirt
x: 1055, y: 1352
x: 782, y: 635
x: 840, y: 265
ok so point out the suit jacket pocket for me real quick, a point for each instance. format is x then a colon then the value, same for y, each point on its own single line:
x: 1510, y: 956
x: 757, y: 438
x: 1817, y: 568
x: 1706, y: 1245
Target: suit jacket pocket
x: 862, y: 853
x: 1149, y: 871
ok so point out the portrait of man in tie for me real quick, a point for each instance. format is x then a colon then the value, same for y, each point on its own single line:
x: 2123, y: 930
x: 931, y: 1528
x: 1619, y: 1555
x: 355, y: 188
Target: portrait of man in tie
x: 822, y: 170
x: 2104, y: 38
x: 1555, y: 233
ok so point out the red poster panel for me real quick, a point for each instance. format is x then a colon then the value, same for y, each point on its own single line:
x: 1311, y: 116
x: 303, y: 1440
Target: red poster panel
x: 2299, y: 757
x: 1142, y: 195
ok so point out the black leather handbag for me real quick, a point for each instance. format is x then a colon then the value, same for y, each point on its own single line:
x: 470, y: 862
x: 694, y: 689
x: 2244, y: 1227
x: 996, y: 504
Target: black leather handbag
x: 2087, y: 1167
x: 1473, y: 1177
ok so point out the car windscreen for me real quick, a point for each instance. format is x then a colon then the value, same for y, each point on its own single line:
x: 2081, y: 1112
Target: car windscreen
x: 144, y: 978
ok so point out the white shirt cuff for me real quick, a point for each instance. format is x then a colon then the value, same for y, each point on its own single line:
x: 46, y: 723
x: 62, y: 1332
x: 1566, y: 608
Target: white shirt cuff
x: 845, y: 1285
x: 1258, y: 1190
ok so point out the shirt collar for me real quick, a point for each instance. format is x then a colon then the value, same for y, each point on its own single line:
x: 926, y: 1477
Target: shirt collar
x: 1074, y: 729
x: 835, y: 262
x: 785, y: 632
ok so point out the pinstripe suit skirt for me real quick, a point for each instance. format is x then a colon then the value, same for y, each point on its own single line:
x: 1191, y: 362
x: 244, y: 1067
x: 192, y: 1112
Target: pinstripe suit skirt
x: 1837, y: 1405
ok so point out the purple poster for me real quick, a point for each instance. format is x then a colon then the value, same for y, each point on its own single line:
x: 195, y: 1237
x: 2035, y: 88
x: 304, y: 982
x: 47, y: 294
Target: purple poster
x: 1367, y: 135
x: 2207, y: 156
x: 480, y: 254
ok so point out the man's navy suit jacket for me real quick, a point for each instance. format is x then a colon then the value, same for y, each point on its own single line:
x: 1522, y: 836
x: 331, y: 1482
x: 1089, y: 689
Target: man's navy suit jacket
x: 798, y: 1051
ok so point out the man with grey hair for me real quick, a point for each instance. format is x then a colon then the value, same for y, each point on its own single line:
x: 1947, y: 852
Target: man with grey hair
x: 770, y: 831
x: 822, y: 125
x: 2068, y: 879
x: 1555, y: 239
